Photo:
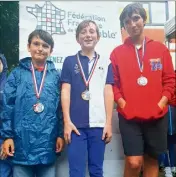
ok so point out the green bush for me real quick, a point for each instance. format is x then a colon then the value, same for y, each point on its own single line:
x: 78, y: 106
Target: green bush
x: 9, y: 31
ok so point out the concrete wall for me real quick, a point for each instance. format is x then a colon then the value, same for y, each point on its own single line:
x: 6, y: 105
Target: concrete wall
x: 114, y: 158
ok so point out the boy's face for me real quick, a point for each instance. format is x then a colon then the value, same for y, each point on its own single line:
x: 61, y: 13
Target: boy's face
x: 134, y: 25
x: 88, y: 37
x: 39, y: 49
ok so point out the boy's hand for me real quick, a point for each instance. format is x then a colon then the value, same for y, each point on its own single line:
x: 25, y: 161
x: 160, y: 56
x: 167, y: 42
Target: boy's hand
x: 121, y: 103
x: 68, y: 128
x: 59, y: 144
x: 107, y: 133
x: 8, y: 147
x: 163, y: 102
x: 2, y: 154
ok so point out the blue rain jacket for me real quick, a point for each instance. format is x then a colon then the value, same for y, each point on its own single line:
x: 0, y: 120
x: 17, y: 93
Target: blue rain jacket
x: 5, y: 165
x: 34, y: 134
x: 3, y: 75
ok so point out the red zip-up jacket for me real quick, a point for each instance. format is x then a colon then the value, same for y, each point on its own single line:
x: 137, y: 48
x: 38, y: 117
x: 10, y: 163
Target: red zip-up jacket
x: 173, y: 101
x: 142, y: 101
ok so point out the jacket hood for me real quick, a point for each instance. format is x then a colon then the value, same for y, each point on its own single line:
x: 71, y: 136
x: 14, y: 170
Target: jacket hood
x: 3, y: 74
x: 4, y: 62
x: 26, y: 63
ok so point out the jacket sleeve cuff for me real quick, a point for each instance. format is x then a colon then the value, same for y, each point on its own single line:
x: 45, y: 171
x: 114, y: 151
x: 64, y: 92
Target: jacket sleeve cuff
x: 60, y: 135
x: 6, y: 134
x: 5, y: 138
x: 117, y: 97
x: 167, y: 94
x: 173, y: 102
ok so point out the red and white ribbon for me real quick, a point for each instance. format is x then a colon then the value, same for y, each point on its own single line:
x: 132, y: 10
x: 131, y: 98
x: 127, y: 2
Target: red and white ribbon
x: 82, y: 71
x: 38, y: 92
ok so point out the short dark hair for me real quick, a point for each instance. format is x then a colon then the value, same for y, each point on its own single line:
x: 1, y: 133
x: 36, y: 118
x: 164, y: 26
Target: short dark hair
x: 84, y: 24
x: 45, y: 36
x: 130, y: 9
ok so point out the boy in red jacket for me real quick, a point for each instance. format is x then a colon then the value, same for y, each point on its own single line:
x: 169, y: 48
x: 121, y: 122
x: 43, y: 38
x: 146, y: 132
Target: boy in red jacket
x: 144, y: 82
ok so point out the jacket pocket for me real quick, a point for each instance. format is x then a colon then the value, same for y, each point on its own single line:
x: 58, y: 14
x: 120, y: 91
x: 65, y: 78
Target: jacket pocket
x: 127, y: 111
x: 158, y: 111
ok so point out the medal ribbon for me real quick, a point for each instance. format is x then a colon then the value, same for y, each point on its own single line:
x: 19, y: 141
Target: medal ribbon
x: 141, y: 62
x: 82, y: 71
x: 38, y: 92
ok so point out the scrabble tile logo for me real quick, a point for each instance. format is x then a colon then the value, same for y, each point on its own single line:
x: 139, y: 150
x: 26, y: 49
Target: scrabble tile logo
x: 49, y: 18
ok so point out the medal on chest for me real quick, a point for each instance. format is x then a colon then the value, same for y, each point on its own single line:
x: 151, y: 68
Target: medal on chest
x: 38, y: 107
x: 86, y: 95
x: 142, y: 80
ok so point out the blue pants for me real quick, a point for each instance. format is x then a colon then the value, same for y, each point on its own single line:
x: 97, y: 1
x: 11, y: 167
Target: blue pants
x: 90, y: 141
x: 5, y: 167
x: 34, y: 171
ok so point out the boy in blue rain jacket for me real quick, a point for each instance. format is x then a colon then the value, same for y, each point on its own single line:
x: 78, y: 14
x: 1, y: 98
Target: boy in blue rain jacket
x: 32, y: 116
x: 5, y: 165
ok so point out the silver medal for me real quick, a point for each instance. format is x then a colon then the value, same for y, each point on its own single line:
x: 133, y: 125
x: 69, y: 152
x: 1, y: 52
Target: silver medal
x: 38, y: 107
x: 142, y: 81
x: 85, y: 95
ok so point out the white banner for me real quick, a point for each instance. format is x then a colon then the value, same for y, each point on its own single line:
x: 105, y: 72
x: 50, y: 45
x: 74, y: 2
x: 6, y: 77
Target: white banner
x: 61, y: 18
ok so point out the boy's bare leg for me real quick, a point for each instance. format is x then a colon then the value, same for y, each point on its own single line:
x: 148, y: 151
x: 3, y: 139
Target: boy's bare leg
x: 151, y: 168
x: 133, y: 165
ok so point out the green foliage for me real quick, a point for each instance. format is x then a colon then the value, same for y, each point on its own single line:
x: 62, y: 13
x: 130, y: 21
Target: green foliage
x: 9, y: 31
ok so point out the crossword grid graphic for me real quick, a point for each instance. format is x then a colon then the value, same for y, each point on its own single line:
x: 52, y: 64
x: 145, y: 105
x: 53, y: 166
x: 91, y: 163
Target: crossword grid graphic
x: 49, y: 18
